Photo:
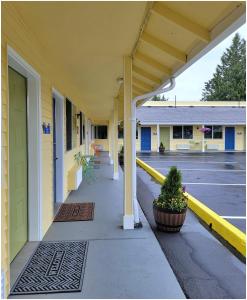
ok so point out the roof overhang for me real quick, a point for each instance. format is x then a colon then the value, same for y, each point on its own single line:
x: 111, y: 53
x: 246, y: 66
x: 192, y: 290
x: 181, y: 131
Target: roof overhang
x: 88, y: 40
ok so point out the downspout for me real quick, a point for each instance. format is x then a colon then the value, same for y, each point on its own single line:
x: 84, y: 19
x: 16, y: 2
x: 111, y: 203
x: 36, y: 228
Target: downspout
x: 145, y: 97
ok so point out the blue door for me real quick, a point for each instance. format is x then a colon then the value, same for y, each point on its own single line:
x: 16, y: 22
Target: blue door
x: 145, y: 139
x: 229, y: 138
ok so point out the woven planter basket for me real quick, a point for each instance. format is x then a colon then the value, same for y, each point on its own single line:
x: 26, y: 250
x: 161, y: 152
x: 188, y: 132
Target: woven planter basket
x: 167, y: 220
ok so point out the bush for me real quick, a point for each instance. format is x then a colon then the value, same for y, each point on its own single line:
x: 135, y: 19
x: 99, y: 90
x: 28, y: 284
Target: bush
x: 172, y: 192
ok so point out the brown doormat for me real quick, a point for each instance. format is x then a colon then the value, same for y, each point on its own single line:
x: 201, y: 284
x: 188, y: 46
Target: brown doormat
x: 97, y: 162
x: 75, y: 212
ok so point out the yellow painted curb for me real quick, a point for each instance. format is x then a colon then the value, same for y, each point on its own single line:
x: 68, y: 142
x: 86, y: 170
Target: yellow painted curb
x: 227, y: 231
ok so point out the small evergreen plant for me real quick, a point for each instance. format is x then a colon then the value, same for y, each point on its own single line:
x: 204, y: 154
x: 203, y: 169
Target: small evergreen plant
x: 172, y: 195
x: 162, y: 146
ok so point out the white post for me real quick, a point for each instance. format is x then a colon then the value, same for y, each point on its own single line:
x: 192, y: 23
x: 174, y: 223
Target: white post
x: 203, y: 145
x: 110, y: 137
x: 135, y: 203
x: 158, y: 137
x: 115, y: 139
x: 128, y: 219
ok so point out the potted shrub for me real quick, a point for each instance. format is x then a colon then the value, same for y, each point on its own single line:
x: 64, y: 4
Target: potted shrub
x: 161, y: 148
x: 121, y: 156
x: 170, y: 207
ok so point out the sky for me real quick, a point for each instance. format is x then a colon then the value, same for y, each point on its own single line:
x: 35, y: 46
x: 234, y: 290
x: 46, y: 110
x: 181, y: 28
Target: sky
x: 190, y: 83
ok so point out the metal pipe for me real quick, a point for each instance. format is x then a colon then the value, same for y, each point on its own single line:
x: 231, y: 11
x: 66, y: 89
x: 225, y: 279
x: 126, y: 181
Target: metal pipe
x: 146, y: 97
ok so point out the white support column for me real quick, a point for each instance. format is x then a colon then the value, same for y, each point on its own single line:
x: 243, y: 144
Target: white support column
x: 115, y: 139
x: 203, y: 141
x: 158, y: 137
x: 110, y: 138
x: 128, y: 218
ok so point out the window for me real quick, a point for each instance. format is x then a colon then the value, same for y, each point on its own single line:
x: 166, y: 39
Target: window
x: 208, y: 134
x: 100, y: 132
x: 74, y: 126
x: 82, y: 128
x: 183, y: 132
x: 217, y: 132
x: 68, y: 125
x: 188, y: 132
x: 214, y: 133
x: 177, y: 132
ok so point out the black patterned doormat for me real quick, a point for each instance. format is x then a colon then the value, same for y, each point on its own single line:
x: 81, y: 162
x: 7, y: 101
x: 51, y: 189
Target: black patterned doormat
x: 55, y: 267
x: 70, y: 212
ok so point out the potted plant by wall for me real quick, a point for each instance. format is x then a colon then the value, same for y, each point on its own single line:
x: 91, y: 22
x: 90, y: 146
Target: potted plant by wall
x: 161, y: 148
x: 170, y: 207
x: 121, y: 156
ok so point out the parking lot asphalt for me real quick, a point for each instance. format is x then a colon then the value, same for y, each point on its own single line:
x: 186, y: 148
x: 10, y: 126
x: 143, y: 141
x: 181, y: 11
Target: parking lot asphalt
x: 216, y: 179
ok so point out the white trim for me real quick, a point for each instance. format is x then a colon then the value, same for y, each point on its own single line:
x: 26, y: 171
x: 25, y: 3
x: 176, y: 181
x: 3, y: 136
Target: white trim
x: 158, y: 137
x: 128, y: 222
x: 34, y: 143
x: 60, y: 143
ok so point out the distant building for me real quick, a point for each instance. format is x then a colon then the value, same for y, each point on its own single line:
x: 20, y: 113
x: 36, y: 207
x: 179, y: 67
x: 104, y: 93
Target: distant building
x: 181, y: 128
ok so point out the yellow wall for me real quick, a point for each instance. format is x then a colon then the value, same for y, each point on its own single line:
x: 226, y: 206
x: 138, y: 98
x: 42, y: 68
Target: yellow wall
x: 18, y: 36
x: 154, y: 138
x: 219, y: 142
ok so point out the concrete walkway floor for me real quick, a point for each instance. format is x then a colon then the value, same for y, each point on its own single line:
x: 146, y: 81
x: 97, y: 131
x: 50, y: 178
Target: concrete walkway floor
x: 120, y: 263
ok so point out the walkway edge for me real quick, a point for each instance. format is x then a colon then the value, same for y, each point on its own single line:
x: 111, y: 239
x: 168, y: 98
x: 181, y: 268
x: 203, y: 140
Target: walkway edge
x: 227, y: 231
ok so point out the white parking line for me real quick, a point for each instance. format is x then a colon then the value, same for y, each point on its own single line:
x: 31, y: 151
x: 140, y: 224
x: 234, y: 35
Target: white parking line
x: 208, y: 170
x: 196, y: 162
x: 212, y: 183
x: 233, y: 217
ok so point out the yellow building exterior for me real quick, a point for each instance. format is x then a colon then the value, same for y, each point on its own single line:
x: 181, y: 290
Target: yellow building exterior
x: 94, y: 68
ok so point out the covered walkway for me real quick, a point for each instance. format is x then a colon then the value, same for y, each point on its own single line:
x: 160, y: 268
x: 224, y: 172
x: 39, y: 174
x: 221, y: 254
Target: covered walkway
x: 120, y: 263
x: 74, y: 69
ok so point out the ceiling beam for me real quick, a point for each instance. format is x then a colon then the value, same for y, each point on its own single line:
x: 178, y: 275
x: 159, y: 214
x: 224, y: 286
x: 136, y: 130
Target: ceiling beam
x: 185, y: 23
x: 172, y: 51
x: 139, y: 90
x: 152, y: 62
x: 145, y: 74
x: 142, y: 84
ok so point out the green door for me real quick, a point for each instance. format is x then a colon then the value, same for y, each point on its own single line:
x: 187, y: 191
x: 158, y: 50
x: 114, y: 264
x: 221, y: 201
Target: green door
x: 165, y: 137
x: 18, y: 190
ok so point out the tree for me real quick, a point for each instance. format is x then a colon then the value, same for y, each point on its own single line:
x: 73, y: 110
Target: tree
x: 159, y: 98
x: 228, y: 82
